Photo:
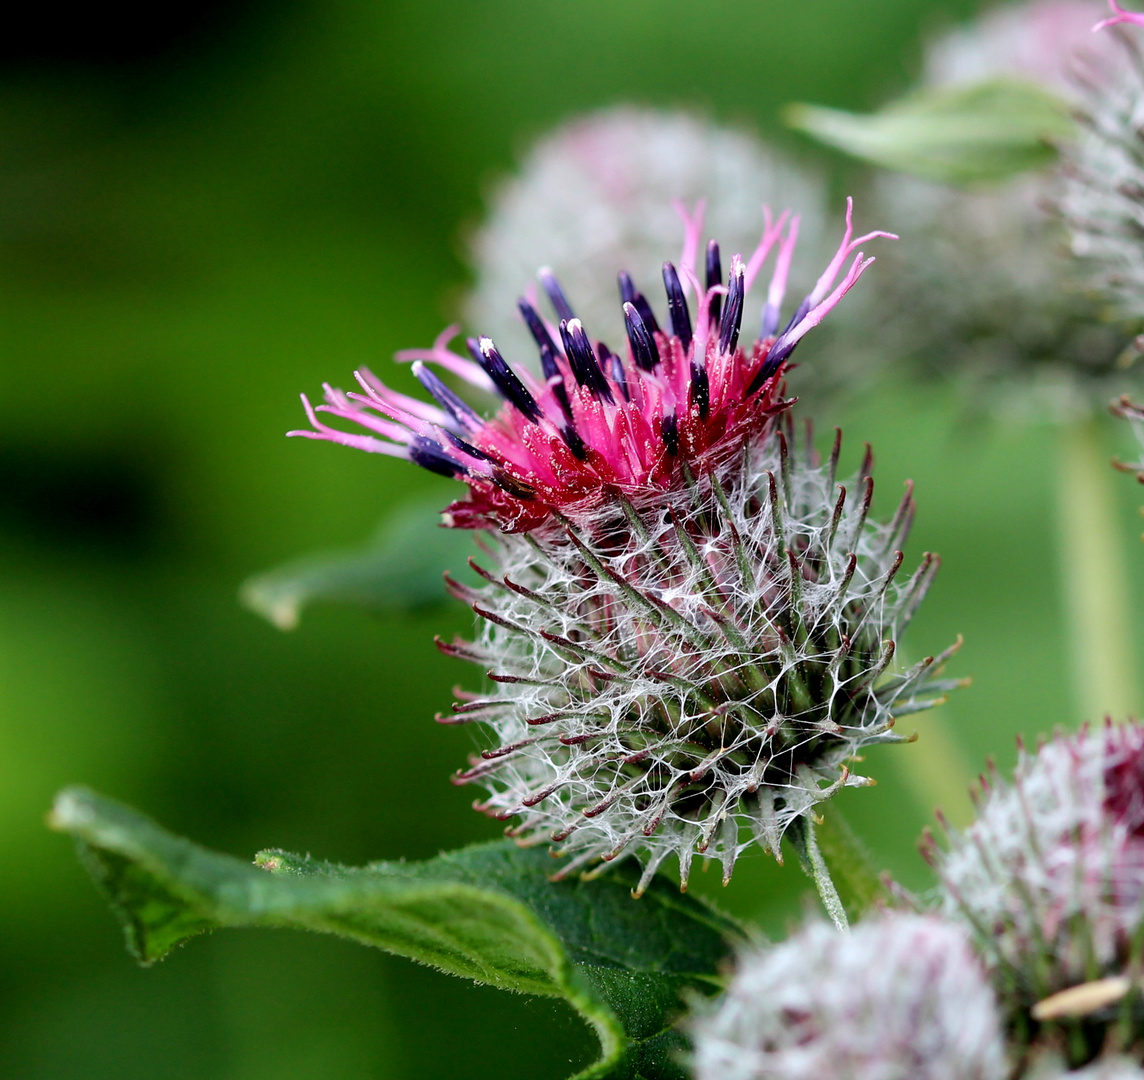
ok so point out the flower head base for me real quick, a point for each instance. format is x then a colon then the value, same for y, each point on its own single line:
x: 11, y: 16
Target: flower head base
x: 900, y: 996
x: 687, y: 396
x: 1051, y: 875
x: 695, y: 676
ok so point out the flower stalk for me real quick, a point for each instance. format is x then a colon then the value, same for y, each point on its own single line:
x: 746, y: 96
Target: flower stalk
x: 1094, y: 574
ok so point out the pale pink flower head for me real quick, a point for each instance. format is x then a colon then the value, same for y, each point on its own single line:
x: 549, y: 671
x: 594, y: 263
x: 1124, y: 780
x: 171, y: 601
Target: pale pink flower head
x: 1040, y: 41
x: 901, y: 997
x: 1050, y: 877
x: 682, y: 393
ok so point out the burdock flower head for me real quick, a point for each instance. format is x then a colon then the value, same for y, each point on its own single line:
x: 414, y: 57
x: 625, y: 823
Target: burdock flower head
x: 900, y: 996
x: 1051, y: 879
x: 689, y: 628
x: 1102, y: 191
x: 985, y: 290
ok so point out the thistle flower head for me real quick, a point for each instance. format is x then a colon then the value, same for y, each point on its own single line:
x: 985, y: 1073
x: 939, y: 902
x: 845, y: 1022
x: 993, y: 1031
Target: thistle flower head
x: 689, y: 627
x: 682, y: 395
x: 900, y: 996
x: 1051, y: 874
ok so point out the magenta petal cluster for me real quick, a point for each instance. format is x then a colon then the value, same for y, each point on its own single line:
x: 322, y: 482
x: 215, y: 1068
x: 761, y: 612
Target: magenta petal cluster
x: 596, y: 421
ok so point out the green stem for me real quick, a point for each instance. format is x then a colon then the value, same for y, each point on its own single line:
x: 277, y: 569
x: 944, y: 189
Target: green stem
x: 810, y: 856
x: 859, y: 884
x: 1094, y: 577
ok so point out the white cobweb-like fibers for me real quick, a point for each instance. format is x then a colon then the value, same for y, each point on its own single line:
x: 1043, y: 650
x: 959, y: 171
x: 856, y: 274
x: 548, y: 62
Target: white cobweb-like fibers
x: 902, y: 996
x: 693, y: 673
x: 1051, y: 874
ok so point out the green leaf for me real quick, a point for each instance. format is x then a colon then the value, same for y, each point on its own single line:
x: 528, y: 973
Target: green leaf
x: 400, y: 570
x: 957, y: 135
x: 487, y: 913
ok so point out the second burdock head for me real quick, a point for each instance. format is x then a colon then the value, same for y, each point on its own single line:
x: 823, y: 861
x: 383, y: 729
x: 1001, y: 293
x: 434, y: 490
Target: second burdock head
x: 1050, y: 878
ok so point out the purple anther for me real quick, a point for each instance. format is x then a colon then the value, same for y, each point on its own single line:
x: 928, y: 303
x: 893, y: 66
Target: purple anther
x: 556, y: 294
x: 629, y: 294
x: 714, y: 277
x: 644, y: 348
x: 733, y: 315
x: 504, y: 378
x: 459, y: 410
x: 677, y: 306
x: 578, y: 349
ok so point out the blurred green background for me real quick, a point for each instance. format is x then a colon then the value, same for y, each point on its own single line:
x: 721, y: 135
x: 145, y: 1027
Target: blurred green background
x: 203, y: 216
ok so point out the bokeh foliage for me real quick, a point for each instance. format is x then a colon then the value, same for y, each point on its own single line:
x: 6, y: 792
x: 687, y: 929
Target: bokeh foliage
x: 194, y: 233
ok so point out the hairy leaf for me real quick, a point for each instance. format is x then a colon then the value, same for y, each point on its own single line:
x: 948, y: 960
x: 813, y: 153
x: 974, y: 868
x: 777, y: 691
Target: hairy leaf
x: 399, y: 570
x: 487, y: 913
x: 957, y: 135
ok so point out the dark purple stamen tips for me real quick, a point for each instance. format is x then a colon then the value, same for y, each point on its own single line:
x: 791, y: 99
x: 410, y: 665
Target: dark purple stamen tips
x: 800, y: 314
x: 461, y: 413
x: 465, y: 447
x: 611, y: 363
x: 573, y: 441
x: 429, y: 455
x: 644, y: 348
x: 714, y: 277
x: 779, y: 352
x: 536, y: 327
x: 629, y: 294
x: 556, y: 294
x: 733, y: 316
x: 578, y: 349
x: 504, y: 378
x: 669, y: 429
x: 700, y: 387
x: 552, y: 373
x: 677, y: 306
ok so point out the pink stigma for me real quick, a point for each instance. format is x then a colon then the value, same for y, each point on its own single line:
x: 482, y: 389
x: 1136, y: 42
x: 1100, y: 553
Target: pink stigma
x: 1119, y: 15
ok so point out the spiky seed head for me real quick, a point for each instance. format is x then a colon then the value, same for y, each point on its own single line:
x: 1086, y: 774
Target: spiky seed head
x: 690, y: 673
x: 1050, y: 877
x: 690, y: 629
x: 901, y: 996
